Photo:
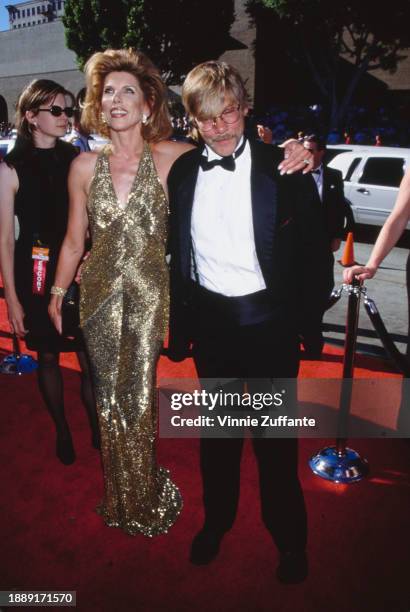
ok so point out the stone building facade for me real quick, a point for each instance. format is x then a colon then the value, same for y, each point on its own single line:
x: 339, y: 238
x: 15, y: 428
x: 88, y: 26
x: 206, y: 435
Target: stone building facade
x: 32, y: 53
x: 34, y: 12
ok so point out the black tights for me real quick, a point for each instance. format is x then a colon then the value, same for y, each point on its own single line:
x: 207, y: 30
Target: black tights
x: 50, y: 381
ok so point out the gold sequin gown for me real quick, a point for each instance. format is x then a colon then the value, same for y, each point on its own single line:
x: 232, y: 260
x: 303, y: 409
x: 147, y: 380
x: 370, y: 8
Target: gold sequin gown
x: 124, y: 315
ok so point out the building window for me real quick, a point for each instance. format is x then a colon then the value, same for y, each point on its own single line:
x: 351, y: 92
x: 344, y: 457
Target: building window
x: 59, y: 5
x: 18, y: 14
x: 23, y: 12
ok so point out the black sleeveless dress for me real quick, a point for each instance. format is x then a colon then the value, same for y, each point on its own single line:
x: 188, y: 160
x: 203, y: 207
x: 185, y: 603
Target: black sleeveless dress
x: 41, y: 207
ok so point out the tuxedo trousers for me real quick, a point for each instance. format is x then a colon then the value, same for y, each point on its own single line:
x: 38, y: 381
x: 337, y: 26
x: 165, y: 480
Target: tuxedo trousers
x: 313, y: 311
x: 267, y: 349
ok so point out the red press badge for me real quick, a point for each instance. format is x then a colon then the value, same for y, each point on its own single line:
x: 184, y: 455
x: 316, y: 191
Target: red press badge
x: 40, y: 257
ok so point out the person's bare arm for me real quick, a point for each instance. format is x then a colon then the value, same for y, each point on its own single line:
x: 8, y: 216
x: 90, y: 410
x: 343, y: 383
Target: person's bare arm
x: 391, y: 231
x: 73, y: 245
x: 8, y: 189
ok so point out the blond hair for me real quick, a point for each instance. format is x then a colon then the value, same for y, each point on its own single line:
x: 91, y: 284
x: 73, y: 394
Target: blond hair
x: 101, y: 64
x: 206, y: 88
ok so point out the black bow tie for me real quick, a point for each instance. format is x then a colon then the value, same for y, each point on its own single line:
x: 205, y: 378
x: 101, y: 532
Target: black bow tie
x: 316, y: 171
x: 227, y: 162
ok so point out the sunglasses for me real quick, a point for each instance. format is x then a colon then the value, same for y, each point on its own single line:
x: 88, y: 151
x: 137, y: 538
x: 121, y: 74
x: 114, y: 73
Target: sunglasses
x: 57, y: 111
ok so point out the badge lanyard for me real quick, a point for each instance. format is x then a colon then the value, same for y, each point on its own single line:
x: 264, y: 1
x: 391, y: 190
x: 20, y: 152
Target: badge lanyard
x: 40, y: 257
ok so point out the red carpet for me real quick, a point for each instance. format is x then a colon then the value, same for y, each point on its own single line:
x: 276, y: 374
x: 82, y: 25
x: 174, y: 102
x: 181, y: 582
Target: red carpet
x: 51, y: 538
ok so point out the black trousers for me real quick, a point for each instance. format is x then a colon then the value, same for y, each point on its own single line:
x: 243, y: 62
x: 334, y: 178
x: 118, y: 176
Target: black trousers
x: 313, y: 311
x: 269, y: 349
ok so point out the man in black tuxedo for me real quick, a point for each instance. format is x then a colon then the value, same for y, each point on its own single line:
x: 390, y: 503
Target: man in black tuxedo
x: 337, y: 220
x: 244, y: 243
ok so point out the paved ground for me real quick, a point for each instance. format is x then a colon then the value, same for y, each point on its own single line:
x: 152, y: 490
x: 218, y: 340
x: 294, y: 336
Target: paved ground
x: 388, y: 289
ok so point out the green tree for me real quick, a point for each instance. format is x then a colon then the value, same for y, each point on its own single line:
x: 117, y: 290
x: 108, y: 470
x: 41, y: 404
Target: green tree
x: 175, y: 34
x: 323, y: 34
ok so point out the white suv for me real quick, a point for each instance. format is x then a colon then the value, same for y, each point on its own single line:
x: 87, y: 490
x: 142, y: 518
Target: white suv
x: 6, y: 145
x: 372, y: 176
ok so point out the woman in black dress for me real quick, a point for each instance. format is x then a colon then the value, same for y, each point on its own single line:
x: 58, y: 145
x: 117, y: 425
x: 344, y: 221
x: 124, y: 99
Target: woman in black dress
x: 33, y: 187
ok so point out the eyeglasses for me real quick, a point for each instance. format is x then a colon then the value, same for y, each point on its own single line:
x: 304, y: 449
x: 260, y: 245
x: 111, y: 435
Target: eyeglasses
x: 229, y: 116
x: 57, y: 111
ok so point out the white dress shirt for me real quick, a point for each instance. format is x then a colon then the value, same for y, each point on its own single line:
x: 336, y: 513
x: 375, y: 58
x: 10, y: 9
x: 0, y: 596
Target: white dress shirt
x: 222, y: 229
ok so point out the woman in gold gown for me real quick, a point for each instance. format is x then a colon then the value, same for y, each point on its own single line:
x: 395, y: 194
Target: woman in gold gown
x: 119, y: 194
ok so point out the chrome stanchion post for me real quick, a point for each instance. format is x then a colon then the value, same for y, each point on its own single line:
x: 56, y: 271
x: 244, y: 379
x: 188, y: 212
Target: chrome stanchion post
x: 334, y: 297
x: 339, y: 463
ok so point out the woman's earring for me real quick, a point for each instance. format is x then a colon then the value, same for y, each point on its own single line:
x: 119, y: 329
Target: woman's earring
x: 104, y: 119
x: 144, y: 118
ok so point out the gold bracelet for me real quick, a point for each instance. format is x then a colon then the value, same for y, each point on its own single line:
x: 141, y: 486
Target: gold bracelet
x: 58, y: 291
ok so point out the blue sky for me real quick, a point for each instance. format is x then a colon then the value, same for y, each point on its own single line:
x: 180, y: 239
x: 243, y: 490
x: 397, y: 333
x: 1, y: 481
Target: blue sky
x: 4, y: 16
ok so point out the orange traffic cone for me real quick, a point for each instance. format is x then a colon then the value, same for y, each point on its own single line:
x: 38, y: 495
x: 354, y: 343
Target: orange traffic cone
x: 348, y: 253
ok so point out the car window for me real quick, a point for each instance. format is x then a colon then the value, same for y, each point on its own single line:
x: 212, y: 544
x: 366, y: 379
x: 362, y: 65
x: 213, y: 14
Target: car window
x: 3, y: 151
x: 386, y: 171
x: 352, y: 168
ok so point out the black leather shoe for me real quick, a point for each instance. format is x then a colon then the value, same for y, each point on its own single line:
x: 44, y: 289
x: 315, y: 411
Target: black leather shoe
x: 292, y: 568
x: 65, y: 449
x: 205, y: 547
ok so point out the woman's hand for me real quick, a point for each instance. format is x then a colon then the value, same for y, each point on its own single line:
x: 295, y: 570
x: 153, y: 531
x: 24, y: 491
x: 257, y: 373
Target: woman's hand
x: 54, y: 312
x: 359, y: 272
x: 297, y: 157
x: 16, y: 318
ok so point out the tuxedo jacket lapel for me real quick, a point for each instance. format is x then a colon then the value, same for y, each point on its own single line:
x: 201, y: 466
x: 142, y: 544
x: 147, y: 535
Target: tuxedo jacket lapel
x: 186, y: 193
x: 326, y: 185
x: 264, y: 193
